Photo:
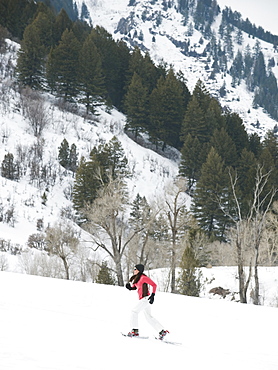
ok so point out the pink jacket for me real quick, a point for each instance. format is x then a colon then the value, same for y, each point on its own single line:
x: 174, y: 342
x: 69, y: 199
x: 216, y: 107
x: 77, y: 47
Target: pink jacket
x: 139, y: 285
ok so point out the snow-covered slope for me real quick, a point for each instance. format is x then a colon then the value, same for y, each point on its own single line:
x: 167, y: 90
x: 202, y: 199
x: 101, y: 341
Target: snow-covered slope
x: 63, y: 325
x: 141, y: 28
x: 150, y: 171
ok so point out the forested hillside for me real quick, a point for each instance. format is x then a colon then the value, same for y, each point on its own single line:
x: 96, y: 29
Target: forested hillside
x: 230, y: 175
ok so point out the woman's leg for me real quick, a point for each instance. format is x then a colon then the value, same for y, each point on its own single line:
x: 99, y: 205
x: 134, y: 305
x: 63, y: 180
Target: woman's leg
x: 141, y: 305
x: 151, y: 320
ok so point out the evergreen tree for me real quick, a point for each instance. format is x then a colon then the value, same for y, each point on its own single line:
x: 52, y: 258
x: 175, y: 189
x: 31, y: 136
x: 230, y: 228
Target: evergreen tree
x: 248, y: 61
x: 237, y: 69
x: 255, y: 144
x: 63, y: 155
x: 144, y: 67
x: 189, y: 282
x: 104, y: 275
x: 90, y: 75
x: 136, y: 106
x: 225, y: 147
x: 30, y: 63
x: 62, y: 23
x: 246, y: 172
x: 211, y: 190
x: 259, y: 72
x: 202, y: 95
x: 106, y: 162
x: 85, y: 184
x: 8, y: 167
x: 73, y: 158
x: 193, y: 155
x: 213, y: 117
x: 194, y: 122
x: 114, y: 58
x: 63, y: 66
x: 236, y: 130
x: 167, y: 110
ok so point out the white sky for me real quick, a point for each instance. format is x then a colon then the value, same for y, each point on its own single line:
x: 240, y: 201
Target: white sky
x: 262, y: 13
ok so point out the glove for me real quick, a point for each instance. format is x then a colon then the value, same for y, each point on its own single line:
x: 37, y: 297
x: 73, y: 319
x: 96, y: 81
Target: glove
x: 151, y: 298
x: 129, y: 287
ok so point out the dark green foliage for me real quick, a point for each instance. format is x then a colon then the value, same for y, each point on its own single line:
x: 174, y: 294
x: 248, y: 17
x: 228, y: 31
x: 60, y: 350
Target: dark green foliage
x: 15, y: 15
x: 225, y: 147
x: 65, y: 5
x: 91, y: 78
x: 193, y: 155
x: 189, y: 282
x: 211, y: 190
x: 63, y: 155
x: 9, y: 169
x: 136, y: 106
x: 31, y: 58
x: 236, y: 130
x: 104, y: 276
x: 68, y: 156
x: 62, y: 67
x: 237, y: 69
x: 167, y: 110
x: 114, y: 59
x: 73, y: 158
x: 246, y: 172
x: 62, y: 23
x: 144, y: 67
x: 106, y: 162
x: 194, y: 122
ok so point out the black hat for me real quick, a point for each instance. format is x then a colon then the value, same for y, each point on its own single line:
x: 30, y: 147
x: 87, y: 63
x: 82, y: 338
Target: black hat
x: 140, y: 268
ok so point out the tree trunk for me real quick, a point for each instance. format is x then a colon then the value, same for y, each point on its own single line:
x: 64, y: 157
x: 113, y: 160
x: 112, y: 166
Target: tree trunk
x: 119, y: 271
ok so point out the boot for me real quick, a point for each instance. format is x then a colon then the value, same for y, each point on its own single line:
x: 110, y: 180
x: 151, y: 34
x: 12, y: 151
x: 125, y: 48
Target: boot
x: 133, y: 333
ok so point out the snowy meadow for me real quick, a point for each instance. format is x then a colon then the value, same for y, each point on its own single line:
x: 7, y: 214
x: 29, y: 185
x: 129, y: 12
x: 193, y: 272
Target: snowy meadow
x: 65, y: 325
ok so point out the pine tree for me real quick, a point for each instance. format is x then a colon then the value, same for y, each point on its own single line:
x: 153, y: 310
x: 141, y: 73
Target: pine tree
x: 63, y: 66
x: 62, y: 23
x: 104, y: 275
x: 167, y: 110
x: 211, y: 190
x: 90, y: 75
x: 105, y: 163
x: 225, y: 147
x: 194, y: 122
x: 144, y: 67
x: 237, y: 69
x: 193, y: 155
x: 8, y: 167
x: 114, y: 59
x: 73, y: 158
x: 30, y: 62
x: 63, y: 155
x: 136, y: 106
x: 85, y: 185
x: 189, y: 282
x: 246, y: 172
x: 236, y: 130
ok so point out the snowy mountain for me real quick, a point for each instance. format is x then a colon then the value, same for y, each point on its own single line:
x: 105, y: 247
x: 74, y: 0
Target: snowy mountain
x: 45, y: 199
x: 158, y: 27
x: 22, y: 205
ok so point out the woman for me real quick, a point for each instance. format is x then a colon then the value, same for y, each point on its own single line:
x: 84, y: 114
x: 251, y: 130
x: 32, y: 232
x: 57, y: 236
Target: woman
x: 140, y: 282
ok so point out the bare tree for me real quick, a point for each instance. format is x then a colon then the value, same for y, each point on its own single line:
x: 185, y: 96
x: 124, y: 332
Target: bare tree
x: 107, y: 225
x: 178, y: 220
x: 62, y: 241
x: 35, y: 110
x: 269, y: 253
x: 248, y: 231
